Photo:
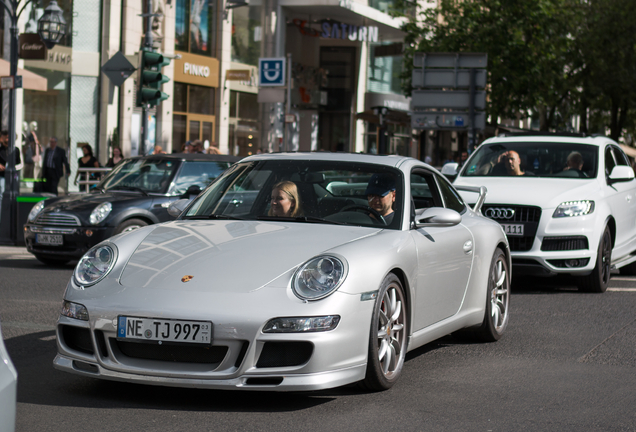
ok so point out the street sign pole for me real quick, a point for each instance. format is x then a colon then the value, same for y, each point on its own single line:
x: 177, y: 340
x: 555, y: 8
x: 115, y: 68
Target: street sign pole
x: 144, y: 106
x: 471, y: 111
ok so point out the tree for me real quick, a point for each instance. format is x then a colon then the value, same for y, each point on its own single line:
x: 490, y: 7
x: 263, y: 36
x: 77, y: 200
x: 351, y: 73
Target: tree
x: 529, y: 47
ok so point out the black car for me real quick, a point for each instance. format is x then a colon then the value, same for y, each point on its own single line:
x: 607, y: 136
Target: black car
x: 136, y: 193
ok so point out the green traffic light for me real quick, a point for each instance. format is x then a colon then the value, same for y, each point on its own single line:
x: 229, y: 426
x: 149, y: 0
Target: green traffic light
x: 150, y: 78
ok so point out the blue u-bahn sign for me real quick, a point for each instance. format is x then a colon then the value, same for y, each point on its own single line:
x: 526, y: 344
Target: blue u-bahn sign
x: 271, y: 72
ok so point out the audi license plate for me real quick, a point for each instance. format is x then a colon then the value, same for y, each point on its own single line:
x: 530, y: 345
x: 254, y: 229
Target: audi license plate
x: 150, y: 329
x: 49, y: 239
x: 513, y: 229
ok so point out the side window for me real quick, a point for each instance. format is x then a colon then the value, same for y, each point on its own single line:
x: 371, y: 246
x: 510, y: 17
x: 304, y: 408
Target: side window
x: 609, y: 161
x: 424, y: 191
x: 620, y: 157
x: 452, y: 200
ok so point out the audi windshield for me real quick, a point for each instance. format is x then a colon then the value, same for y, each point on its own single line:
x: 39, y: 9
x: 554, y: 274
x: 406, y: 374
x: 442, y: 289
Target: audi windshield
x: 534, y: 159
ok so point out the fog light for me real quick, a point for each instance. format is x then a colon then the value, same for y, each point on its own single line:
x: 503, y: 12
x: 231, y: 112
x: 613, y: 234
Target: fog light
x: 89, y: 233
x: 572, y: 263
x: 301, y: 325
x: 74, y: 310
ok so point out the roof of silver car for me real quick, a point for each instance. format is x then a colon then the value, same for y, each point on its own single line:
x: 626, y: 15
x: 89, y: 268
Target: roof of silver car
x: 389, y: 160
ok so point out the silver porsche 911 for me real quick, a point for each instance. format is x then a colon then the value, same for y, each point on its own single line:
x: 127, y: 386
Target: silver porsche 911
x: 289, y: 272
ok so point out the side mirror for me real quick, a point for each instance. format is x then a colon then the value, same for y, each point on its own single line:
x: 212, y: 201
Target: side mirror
x: 621, y: 173
x: 192, y: 190
x: 450, y: 170
x: 437, y: 217
x: 177, y: 207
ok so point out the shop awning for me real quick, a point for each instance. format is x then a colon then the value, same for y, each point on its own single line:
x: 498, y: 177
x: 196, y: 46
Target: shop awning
x: 629, y: 151
x: 30, y: 80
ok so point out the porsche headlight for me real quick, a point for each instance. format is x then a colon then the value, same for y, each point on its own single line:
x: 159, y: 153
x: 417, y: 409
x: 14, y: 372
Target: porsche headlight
x: 95, y: 265
x: 35, y: 211
x: 319, y: 277
x: 100, y: 213
x: 574, y: 208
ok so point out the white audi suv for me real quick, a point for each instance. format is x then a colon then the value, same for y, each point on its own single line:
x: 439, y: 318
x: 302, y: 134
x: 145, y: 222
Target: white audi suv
x: 567, y: 204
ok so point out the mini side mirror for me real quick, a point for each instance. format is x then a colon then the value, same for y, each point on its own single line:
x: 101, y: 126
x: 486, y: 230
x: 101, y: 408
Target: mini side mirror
x: 177, y: 207
x: 437, y: 217
x: 192, y: 190
x: 621, y: 173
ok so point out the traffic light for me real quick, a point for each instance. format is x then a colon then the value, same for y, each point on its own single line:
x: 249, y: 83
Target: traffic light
x: 150, y: 78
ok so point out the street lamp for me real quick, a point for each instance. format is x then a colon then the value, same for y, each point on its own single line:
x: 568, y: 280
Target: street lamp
x: 51, y: 28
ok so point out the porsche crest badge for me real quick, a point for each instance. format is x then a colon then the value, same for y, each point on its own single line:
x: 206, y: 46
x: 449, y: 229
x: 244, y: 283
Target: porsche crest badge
x: 186, y: 278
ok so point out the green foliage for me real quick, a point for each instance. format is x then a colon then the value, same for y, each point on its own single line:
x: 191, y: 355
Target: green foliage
x: 554, y: 58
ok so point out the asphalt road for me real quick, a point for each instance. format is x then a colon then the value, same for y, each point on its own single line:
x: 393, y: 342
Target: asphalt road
x: 566, y: 363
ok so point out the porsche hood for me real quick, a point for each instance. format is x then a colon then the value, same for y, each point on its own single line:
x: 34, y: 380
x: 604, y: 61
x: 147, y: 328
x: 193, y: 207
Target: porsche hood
x: 229, y: 256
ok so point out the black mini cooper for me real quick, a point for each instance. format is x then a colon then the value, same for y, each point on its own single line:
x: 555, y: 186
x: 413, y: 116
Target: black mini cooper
x: 136, y: 193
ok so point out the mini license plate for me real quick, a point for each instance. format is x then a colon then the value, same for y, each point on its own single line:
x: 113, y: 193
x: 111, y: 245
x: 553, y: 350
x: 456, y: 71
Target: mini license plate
x: 49, y: 239
x: 513, y: 229
x: 150, y: 329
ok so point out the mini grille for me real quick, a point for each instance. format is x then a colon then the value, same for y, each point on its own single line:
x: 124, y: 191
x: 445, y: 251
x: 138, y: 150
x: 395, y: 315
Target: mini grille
x: 551, y: 244
x: 521, y: 213
x: 173, y: 353
x: 57, y: 219
x: 283, y: 354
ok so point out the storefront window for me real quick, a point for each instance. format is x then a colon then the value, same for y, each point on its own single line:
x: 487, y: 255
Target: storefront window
x: 244, y: 131
x: 384, y: 72
x: 246, y: 35
x: 194, y: 27
x: 193, y: 117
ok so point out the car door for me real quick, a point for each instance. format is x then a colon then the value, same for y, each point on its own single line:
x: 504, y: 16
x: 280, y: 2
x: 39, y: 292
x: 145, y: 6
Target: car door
x: 444, y: 254
x: 622, y: 200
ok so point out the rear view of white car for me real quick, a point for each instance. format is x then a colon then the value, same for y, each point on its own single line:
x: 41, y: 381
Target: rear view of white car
x: 567, y: 204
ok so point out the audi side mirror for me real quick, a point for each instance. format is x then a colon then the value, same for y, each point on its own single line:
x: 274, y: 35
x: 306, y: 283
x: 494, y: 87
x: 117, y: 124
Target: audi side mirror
x: 450, y: 171
x: 437, y: 217
x: 621, y: 173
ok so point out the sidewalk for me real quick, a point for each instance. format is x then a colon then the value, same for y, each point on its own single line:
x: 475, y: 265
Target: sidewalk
x: 13, y: 250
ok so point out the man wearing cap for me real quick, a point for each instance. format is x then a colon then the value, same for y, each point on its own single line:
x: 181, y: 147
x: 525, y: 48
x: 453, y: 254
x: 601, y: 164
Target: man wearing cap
x: 381, y: 195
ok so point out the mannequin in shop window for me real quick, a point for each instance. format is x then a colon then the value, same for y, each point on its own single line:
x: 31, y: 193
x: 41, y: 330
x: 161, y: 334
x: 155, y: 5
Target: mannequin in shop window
x: 31, y: 151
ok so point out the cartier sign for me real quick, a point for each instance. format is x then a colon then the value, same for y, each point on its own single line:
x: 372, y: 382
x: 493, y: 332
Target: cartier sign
x: 31, y: 47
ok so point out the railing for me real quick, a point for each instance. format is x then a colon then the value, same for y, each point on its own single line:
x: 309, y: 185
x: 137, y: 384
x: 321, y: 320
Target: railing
x: 88, y: 182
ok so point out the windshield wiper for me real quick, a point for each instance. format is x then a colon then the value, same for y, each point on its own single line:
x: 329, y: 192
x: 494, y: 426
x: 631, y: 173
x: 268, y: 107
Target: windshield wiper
x: 130, y: 188
x: 309, y: 219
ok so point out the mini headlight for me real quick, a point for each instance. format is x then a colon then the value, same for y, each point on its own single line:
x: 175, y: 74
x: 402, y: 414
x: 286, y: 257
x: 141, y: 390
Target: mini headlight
x: 74, y: 310
x: 100, y: 213
x: 35, y: 211
x: 95, y: 265
x: 302, y: 325
x: 319, y: 277
x: 574, y: 208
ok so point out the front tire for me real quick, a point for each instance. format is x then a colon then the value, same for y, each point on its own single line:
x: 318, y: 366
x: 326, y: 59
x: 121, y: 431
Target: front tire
x: 496, y: 314
x: 388, y: 336
x: 598, y: 280
x: 130, y: 225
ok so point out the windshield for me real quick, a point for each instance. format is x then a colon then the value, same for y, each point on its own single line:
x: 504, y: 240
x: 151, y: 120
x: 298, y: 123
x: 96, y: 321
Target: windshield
x: 143, y: 175
x: 533, y: 159
x: 305, y: 191
x: 196, y: 173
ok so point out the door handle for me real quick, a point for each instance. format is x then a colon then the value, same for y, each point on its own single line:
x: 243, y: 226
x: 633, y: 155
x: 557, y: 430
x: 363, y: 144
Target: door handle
x: 468, y: 247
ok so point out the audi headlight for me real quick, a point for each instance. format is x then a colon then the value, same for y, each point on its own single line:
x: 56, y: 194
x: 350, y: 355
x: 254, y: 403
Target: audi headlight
x: 100, y: 213
x: 95, y: 265
x: 319, y: 277
x: 574, y: 208
x: 35, y: 211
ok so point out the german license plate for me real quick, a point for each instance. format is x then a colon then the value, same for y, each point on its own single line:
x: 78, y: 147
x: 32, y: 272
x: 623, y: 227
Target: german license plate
x: 49, y: 239
x: 150, y: 329
x: 513, y: 229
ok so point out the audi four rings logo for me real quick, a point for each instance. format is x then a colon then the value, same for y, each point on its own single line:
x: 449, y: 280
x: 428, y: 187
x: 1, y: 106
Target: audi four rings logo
x: 500, y: 213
